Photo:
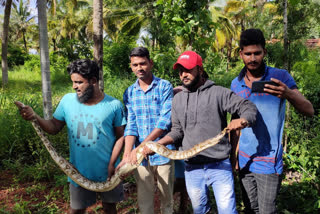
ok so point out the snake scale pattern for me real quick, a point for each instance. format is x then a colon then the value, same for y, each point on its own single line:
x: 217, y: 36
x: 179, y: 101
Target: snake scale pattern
x: 115, y: 180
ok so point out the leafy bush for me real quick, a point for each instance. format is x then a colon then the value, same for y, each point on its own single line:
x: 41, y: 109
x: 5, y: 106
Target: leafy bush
x: 16, y: 55
x: 73, y: 49
x: 298, y: 52
x: 275, y: 54
x: 33, y: 64
x: 162, y: 65
x: 216, y: 65
x: 116, y: 58
x: 20, y: 144
x: 58, y: 68
x: 303, y: 153
x: 307, y: 75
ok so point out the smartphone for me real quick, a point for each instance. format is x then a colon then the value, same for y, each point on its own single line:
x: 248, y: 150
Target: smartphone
x: 258, y: 86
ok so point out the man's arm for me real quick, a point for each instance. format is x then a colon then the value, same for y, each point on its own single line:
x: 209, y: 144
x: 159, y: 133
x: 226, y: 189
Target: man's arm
x: 164, y: 121
x: 234, y: 140
x: 294, y: 96
x: 156, y: 132
x: 116, y: 149
x: 129, y: 142
x: 245, y: 110
x: 166, y: 140
x: 131, y: 130
x: 52, y: 126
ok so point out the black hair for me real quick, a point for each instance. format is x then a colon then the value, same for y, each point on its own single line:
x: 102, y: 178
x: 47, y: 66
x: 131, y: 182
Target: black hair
x: 86, y: 68
x: 141, y: 52
x: 252, y: 37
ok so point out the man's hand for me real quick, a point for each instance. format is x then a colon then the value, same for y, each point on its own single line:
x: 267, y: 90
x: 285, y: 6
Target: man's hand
x: 146, y: 152
x: 111, y: 171
x: 280, y: 91
x: 133, y: 157
x: 294, y: 96
x: 127, y: 160
x: 26, y: 112
x: 237, y: 124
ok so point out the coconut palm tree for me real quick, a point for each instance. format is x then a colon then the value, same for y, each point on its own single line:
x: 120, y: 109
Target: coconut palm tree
x: 122, y: 23
x: 4, y: 52
x: 44, y: 59
x: 21, y: 20
x: 98, y: 38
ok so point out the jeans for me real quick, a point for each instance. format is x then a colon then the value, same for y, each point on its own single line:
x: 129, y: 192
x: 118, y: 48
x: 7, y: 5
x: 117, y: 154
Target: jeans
x: 218, y: 175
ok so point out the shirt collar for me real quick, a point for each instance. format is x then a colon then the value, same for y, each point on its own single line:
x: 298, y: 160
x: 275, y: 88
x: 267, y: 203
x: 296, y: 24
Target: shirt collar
x: 244, y: 71
x: 154, y: 82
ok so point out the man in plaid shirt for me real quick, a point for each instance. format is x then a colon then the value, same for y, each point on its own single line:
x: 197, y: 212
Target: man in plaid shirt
x: 148, y: 104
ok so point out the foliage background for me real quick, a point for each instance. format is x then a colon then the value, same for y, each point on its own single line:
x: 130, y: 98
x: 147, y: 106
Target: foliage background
x: 167, y: 28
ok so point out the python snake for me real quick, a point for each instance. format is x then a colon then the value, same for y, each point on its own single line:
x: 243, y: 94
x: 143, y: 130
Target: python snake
x: 115, y: 180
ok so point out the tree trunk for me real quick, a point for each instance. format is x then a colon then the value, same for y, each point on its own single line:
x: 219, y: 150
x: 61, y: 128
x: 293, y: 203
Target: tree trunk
x: 285, y: 65
x: 98, y: 39
x: 4, y: 53
x: 285, y: 36
x: 24, y: 42
x: 44, y: 60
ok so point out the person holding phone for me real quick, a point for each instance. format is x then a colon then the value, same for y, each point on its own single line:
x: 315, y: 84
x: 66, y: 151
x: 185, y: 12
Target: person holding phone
x: 260, y: 149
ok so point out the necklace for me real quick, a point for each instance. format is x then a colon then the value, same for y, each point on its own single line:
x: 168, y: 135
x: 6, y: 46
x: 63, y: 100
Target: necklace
x: 248, y: 78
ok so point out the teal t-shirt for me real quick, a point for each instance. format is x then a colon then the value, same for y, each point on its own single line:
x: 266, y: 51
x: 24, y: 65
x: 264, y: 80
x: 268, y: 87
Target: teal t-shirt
x: 91, y: 133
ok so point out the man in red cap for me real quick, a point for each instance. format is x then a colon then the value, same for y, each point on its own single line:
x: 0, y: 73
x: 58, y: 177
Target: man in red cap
x: 199, y: 112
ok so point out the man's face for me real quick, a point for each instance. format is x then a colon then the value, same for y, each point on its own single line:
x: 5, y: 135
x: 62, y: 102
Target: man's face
x: 252, y: 56
x: 189, y: 78
x: 141, y: 67
x: 83, y: 87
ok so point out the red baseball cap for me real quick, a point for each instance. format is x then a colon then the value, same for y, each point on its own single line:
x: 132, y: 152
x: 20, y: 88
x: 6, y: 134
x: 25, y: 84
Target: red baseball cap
x: 189, y: 60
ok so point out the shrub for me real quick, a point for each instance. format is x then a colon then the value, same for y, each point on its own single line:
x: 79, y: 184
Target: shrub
x: 16, y: 55
x: 162, y: 66
x: 116, y: 58
x: 33, y: 64
x: 73, y: 49
x: 58, y: 68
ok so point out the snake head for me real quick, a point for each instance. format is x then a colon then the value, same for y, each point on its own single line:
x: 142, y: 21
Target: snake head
x: 19, y: 104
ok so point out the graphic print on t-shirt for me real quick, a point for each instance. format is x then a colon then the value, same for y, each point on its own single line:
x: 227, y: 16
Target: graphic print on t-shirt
x: 85, y: 130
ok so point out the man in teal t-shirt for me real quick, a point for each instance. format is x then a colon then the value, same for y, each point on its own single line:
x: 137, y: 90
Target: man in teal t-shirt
x: 95, y: 123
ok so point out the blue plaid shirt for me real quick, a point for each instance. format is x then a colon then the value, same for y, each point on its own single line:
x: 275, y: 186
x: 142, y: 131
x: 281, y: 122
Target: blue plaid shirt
x: 147, y: 111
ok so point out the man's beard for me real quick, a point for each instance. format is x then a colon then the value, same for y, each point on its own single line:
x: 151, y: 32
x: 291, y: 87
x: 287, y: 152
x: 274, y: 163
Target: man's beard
x: 258, y: 71
x: 87, y: 94
x: 193, y: 83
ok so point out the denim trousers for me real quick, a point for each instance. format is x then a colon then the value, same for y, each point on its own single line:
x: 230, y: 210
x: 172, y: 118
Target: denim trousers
x: 218, y: 175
